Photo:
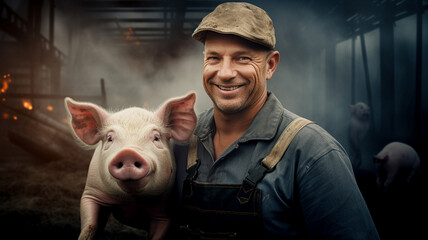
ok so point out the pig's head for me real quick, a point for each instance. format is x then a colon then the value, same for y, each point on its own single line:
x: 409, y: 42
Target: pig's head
x: 360, y: 110
x: 380, y: 160
x: 134, y: 155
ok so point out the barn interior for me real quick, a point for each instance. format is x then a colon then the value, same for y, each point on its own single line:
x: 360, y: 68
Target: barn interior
x: 119, y: 53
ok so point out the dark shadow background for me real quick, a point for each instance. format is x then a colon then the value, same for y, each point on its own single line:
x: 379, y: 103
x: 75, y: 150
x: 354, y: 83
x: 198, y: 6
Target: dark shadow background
x: 139, y: 53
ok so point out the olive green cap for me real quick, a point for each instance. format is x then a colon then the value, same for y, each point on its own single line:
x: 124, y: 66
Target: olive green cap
x: 238, y: 18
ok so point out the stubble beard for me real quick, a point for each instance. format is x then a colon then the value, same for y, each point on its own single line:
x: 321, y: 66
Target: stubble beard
x: 229, y: 108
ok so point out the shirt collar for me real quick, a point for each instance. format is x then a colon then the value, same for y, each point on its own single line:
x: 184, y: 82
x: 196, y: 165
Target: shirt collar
x: 263, y: 127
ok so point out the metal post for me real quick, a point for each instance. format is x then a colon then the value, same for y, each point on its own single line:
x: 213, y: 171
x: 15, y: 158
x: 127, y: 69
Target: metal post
x: 35, y: 44
x: 387, y: 71
x: 418, y: 107
x: 353, y: 72
x: 103, y: 94
x: 52, y: 24
x: 55, y: 64
x: 178, y: 23
x: 367, y: 77
x: 330, y: 78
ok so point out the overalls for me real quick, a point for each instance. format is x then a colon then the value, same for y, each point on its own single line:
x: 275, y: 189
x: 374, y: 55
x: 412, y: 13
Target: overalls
x: 229, y: 211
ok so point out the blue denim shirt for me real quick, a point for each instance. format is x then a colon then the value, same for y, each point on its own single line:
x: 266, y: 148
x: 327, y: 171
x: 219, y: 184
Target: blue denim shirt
x: 311, y: 193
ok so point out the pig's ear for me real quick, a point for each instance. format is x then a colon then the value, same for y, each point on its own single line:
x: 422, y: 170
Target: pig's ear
x: 86, y: 119
x: 179, y: 116
x: 379, y: 159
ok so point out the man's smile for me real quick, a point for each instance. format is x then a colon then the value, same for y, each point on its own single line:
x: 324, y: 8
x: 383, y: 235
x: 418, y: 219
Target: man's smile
x: 228, y: 88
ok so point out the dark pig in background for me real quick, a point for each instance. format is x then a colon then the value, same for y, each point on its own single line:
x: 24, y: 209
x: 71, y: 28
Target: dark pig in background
x: 395, y: 162
x: 357, y: 130
x: 132, y: 169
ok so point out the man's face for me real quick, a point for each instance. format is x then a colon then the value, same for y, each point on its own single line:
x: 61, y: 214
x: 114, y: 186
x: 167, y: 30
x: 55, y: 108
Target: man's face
x: 234, y: 73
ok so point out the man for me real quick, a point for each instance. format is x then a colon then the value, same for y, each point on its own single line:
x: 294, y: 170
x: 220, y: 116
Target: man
x: 233, y: 181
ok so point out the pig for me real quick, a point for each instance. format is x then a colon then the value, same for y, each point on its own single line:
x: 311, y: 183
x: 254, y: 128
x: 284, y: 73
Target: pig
x: 395, y: 159
x: 357, y: 130
x: 132, y: 169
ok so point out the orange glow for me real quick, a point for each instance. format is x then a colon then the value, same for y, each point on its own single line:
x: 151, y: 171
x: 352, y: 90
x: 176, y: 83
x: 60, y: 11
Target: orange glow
x: 27, y: 104
x: 15, y: 117
x: 49, y: 108
x: 65, y: 121
x: 5, y: 86
x: 6, y: 115
x: 128, y: 33
x: 5, y: 83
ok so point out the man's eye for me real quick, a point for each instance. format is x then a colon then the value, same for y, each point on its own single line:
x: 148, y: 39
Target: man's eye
x: 156, y: 138
x: 244, y: 58
x: 212, y: 58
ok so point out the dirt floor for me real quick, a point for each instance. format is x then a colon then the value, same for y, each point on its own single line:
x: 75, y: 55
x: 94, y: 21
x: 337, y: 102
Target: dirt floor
x: 40, y: 199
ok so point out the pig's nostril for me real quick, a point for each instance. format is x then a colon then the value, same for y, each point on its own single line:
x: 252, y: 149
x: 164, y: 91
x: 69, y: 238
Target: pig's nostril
x: 128, y: 165
x: 136, y: 164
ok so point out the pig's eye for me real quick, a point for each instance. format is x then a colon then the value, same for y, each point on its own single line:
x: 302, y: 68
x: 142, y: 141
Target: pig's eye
x: 156, y: 139
x: 156, y: 136
x: 109, y: 140
x: 110, y: 137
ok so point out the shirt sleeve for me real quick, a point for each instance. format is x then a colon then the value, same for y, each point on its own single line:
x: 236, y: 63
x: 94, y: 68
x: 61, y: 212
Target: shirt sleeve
x: 330, y: 200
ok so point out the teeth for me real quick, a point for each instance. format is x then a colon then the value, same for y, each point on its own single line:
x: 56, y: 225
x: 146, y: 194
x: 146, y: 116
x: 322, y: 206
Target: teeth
x: 227, y: 88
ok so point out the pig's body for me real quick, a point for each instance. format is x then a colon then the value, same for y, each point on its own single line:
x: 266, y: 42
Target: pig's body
x: 132, y: 169
x: 358, y: 128
x: 394, y: 159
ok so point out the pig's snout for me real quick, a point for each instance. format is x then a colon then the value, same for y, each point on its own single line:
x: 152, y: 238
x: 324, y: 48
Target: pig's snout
x: 128, y: 166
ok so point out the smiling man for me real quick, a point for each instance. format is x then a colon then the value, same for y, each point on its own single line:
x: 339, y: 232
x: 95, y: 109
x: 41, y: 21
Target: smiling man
x: 254, y: 170
x: 234, y: 77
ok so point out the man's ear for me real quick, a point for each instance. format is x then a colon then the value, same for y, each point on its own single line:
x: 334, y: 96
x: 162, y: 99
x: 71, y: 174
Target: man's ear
x: 272, y: 63
x: 85, y: 119
x: 179, y: 116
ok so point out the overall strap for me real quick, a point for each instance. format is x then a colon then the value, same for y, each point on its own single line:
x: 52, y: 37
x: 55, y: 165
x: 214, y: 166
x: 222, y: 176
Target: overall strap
x: 284, y: 141
x: 256, y: 173
x: 192, y: 158
x: 192, y: 154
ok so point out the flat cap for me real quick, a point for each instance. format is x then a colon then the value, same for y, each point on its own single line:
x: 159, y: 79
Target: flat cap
x: 238, y: 18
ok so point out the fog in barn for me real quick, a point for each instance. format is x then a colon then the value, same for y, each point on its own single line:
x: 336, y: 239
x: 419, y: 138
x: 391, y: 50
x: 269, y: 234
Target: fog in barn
x: 356, y: 68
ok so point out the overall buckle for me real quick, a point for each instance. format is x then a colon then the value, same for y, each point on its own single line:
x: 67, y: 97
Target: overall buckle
x: 254, y: 175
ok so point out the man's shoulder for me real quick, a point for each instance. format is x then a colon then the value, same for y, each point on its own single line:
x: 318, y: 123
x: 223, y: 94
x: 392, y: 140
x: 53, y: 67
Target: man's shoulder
x: 313, y: 138
x: 314, y: 143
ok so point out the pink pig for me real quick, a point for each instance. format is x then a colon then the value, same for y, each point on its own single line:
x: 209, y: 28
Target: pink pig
x: 133, y: 168
x: 394, y: 159
x: 357, y: 130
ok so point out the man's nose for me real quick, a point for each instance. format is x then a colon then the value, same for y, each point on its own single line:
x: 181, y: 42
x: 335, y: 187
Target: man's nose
x: 227, y: 70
